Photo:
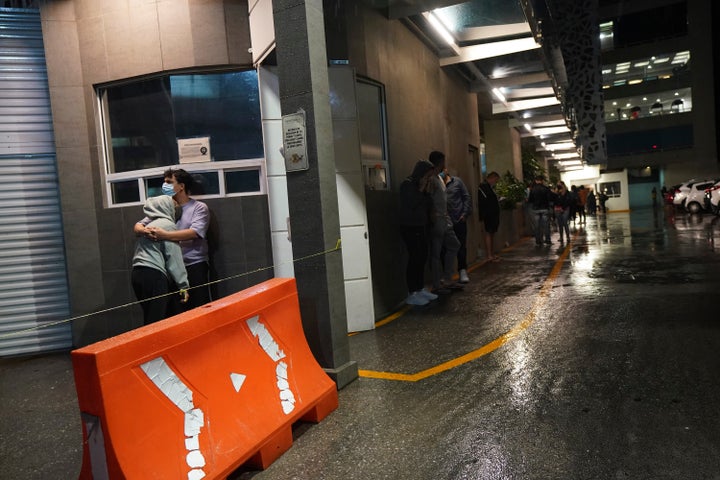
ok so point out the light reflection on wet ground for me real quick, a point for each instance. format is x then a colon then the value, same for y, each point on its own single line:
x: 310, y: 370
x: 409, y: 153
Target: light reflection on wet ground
x: 612, y: 374
x: 615, y: 377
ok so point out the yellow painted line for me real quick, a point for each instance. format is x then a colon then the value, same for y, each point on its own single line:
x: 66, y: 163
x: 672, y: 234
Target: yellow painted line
x: 488, y: 348
x: 392, y: 317
x: 387, y: 319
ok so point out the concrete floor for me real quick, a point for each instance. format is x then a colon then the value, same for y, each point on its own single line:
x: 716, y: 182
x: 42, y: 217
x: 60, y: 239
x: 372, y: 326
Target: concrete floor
x: 597, y: 361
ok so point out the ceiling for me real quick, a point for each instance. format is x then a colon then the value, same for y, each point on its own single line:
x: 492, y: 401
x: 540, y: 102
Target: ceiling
x: 520, y: 63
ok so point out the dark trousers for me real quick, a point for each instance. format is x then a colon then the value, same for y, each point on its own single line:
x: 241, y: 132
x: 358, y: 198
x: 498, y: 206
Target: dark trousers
x: 461, y: 234
x: 416, y: 241
x: 198, y: 274
x: 148, y: 283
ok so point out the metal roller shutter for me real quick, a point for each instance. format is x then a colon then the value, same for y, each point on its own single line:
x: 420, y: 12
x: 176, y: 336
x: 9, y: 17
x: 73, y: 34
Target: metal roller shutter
x: 33, y: 278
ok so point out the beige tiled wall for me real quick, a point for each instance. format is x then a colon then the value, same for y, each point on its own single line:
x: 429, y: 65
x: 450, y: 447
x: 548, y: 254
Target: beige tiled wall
x: 88, y: 42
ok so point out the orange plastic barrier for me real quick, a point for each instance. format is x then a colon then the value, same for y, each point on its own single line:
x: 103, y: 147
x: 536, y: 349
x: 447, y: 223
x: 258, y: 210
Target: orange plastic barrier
x: 202, y: 393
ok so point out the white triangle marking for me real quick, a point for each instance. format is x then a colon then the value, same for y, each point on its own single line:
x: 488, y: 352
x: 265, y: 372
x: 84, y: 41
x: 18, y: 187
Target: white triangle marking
x: 237, y: 380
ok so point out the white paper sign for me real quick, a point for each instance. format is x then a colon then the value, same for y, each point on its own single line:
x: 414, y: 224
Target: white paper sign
x: 194, y: 150
x: 295, y: 142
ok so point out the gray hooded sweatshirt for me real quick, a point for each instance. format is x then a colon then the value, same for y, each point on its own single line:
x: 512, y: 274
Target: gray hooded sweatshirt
x: 162, y: 255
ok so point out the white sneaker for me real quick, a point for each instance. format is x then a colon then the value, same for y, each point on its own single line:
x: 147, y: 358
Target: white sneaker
x: 464, y: 276
x: 416, y: 298
x: 429, y: 295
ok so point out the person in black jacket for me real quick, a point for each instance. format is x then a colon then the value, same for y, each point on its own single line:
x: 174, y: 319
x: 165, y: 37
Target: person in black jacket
x: 540, y: 200
x: 489, y: 211
x: 414, y: 219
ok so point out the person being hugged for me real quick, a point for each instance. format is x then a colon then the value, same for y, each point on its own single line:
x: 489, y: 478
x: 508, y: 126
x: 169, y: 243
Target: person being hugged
x: 191, y: 234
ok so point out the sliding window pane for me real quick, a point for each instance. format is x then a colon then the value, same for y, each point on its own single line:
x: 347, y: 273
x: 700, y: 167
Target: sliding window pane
x: 242, y: 181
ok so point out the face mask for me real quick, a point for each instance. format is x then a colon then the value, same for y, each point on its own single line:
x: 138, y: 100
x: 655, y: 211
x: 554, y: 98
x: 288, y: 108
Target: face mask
x: 167, y: 189
x: 442, y: 174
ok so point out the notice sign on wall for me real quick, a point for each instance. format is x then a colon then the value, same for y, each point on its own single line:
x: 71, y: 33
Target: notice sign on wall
x: 295, y: 142
x: 194, y: 150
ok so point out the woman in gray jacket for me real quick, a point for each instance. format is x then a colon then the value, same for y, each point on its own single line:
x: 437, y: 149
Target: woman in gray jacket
x: 156, y: 262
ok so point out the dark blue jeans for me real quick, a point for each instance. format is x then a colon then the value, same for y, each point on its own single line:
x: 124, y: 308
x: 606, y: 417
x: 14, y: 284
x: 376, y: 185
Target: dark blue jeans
x: 461, y: 234
x: 416, y: 242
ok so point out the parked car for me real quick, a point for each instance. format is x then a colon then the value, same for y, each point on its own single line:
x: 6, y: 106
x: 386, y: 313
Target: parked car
x: 695, y: 199
x: 682, y: 191
x: 670, y: 194
x: 712, y: 199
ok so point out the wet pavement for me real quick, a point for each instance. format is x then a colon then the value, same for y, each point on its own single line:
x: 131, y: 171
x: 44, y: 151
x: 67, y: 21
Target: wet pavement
x: 599, y: 360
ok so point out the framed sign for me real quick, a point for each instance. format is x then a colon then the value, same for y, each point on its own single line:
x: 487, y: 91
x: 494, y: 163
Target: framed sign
x: 194, y: 150
x: 295, y: 142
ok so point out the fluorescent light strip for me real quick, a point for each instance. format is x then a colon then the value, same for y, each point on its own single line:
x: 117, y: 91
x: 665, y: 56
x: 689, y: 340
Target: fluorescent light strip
x: 440, y: 28
x: 560, y: 146
x: 499, y: 95
x: 551, y: 130
x: 565, y: 156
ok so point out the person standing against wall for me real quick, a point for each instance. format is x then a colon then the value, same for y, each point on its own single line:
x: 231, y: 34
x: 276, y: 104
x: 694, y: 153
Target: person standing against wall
x: 191, y: 234
x: 414, y: 220
x: 442, y: 236
x: 156, y: 263
x: 459, y: 208
x: 489, y: 212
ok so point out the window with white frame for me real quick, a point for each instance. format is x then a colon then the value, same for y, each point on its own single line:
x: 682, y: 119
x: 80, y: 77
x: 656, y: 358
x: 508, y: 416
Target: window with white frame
x: 148, y: 124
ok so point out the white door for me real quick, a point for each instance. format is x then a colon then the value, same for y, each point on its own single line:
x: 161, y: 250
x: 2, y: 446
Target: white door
x: 351, y: 200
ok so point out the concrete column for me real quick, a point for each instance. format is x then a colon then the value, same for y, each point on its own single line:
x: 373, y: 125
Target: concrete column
x: 503, y: 150
x: 312, y: 193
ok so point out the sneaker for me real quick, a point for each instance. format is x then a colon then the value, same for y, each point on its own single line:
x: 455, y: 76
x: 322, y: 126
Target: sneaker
x: 416, y: 298
x: 464, y: 276
x: 429, y: 295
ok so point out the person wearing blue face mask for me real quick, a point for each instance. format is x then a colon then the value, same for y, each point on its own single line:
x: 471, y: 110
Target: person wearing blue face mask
x: 168, y: 189
x: 191, y: 234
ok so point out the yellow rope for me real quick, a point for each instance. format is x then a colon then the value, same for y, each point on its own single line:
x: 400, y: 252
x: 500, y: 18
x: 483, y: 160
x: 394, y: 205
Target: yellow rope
x: 338, y: 246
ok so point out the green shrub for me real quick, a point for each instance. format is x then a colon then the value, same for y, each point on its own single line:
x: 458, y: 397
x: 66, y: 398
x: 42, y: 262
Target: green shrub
x: 511, y: 190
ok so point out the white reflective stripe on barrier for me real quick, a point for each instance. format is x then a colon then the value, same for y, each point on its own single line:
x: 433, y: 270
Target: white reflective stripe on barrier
x: 181, y: 396
x: 271, y: 348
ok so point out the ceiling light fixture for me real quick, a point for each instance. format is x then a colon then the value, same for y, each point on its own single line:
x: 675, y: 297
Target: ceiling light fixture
x: 440, y: 28
x: 569, y: 145
x: 551, y: 130
x: 499, y: 95
x: 566, y: 156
